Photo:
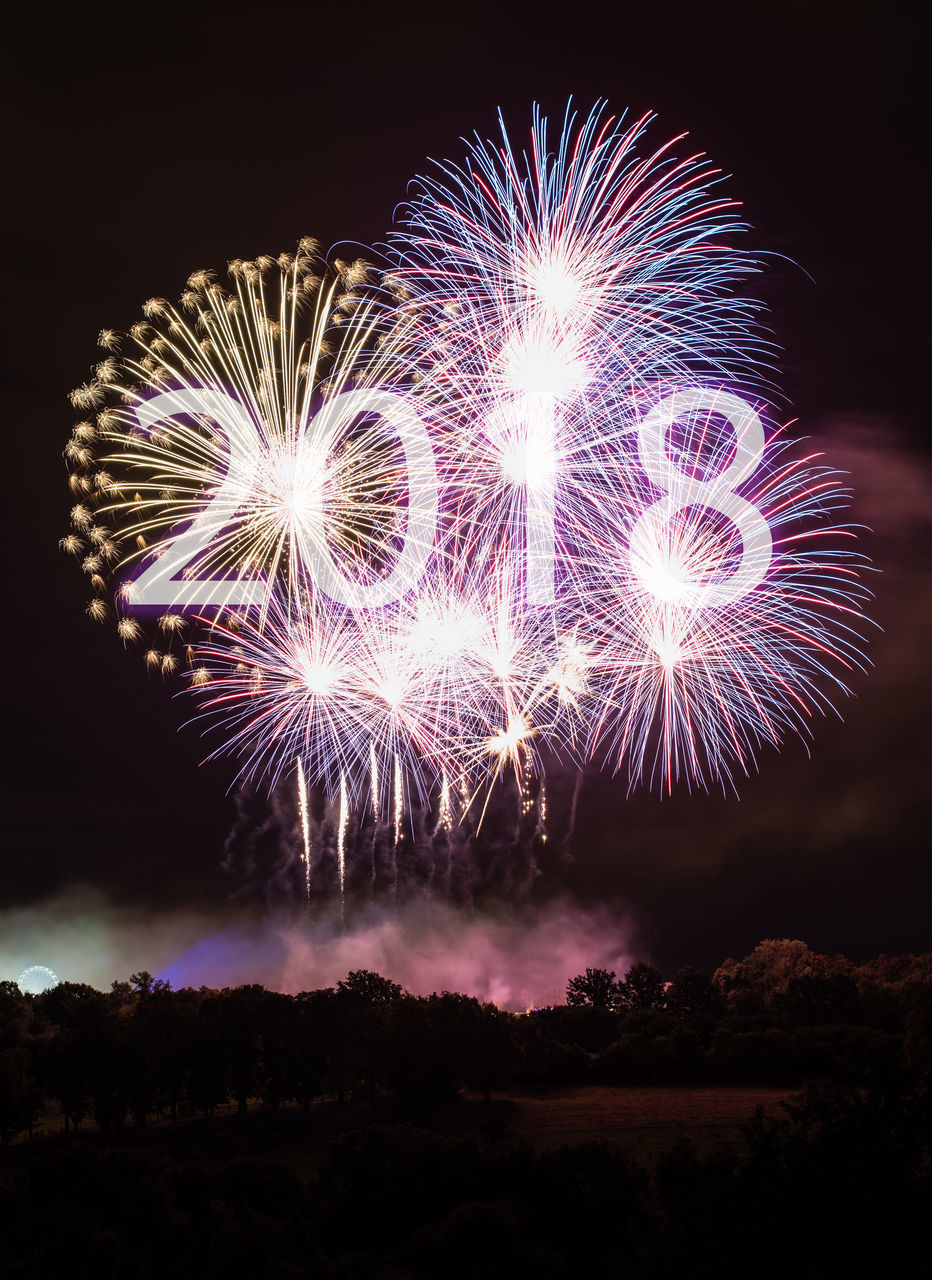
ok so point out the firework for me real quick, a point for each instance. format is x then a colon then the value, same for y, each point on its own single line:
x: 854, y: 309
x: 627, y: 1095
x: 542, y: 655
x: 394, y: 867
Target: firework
x: 576, y: 310
x: 341, y: 843
x: 248, y: 445
x: 735, y: 613
x: 373, y: 702
x: 540, y: 270
x: 414, y: 529
x: 305, y: 827
x: 545, y: 294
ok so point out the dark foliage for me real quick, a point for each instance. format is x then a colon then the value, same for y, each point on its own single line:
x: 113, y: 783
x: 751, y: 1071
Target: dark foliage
x: 841, y: 1179
x: 837, y: 1185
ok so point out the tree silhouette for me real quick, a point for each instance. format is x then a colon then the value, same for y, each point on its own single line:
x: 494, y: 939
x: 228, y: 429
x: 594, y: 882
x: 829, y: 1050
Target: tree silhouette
x: 643, y: 988
x: 369, y: 988
x: 690, y: 992
x: 596, y: 987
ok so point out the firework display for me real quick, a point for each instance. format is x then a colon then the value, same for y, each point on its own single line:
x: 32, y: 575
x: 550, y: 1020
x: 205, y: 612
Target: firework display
x: 515, y: 493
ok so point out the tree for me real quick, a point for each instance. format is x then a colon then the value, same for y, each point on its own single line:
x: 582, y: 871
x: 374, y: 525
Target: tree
x: 364, y: 1004
x: 643, y: 987
x: 280, y: 1028
x: 240, y: 1013
x: 918, y: 1040
x: 314, y: 1017
x: 141, y: 982
x: 815, y: 999
x: 690, y: 991
x: 370, y: 988
x: 14, y: 1014
x: 208, y: 1062
x: 752, y: 982
x: 20, y: 1095
x: 596, y: 987
x: 66, y: 1073
x: 71, y: 1005
x: 109, y: 1072
x: 164, y: 1024
x: 12, y: 1004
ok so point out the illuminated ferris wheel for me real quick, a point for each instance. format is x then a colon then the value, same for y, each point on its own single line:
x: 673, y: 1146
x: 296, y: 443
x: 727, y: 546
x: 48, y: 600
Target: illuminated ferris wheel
x: 36, y: 979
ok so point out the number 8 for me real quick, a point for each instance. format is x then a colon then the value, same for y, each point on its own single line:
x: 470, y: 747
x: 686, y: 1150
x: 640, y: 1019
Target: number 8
x: 682, y: 490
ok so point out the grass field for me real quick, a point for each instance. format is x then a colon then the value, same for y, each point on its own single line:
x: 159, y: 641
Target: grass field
x: 646, y: 1119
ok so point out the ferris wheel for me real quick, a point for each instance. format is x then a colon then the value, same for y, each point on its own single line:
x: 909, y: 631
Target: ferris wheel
x: 36, y: 979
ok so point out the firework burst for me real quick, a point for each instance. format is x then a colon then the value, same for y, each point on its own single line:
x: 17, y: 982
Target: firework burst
x: 239, y: 445
x: 735, y: 608
x: 409, y: 530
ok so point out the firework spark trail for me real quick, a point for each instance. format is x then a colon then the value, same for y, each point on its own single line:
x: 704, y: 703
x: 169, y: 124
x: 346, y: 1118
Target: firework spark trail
x: 305, y: 829
x: 376, y: 813
x: 374, y: 780
x: 341, y: 848
x: 444, y: 826
x: 398, y: 818
x: 444, y: 811
x: 571, y: 825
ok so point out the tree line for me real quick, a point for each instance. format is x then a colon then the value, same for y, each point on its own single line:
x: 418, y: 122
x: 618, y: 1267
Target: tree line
x: 782, y: 1015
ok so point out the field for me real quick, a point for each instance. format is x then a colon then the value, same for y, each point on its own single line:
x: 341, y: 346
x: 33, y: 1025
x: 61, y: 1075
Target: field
x: 646, y: 1119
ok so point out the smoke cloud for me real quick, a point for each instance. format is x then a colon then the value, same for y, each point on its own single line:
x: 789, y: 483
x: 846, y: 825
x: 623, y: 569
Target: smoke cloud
x: 516, y: 961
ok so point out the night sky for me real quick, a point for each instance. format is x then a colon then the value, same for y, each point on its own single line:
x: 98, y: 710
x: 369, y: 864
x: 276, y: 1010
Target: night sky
x: 146, y: 142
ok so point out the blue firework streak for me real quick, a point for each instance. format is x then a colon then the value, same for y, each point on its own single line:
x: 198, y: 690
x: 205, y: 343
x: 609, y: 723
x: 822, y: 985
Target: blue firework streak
x: 621, y: 263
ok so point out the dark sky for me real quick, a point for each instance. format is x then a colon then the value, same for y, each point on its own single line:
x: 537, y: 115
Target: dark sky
x: 148, y: 141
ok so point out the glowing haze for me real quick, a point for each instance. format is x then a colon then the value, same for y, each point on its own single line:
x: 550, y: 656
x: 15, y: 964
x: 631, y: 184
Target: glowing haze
x: 513, y: 963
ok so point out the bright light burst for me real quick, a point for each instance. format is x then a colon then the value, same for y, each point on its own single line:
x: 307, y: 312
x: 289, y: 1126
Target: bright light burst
x: 227, y: 465
x: 589, y: 254
x: 497, y: 501
x: 692, y: 682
